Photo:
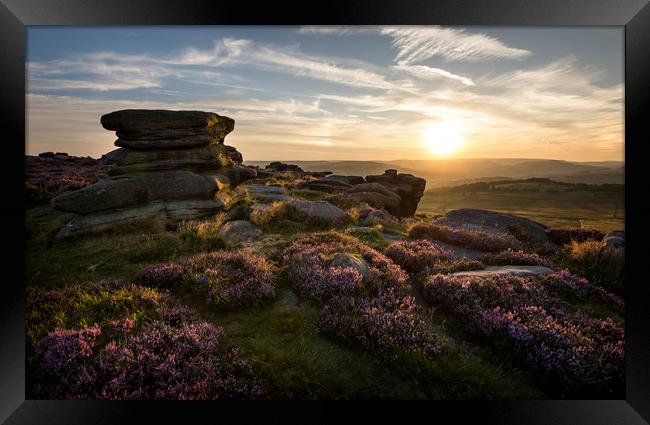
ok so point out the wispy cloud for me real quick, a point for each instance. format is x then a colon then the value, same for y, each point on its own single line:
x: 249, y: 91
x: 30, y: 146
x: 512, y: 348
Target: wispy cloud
x: 428, y: 73
x: 416, y: 44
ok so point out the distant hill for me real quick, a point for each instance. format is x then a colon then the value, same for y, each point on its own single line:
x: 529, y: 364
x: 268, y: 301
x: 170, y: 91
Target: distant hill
x: 443, y: 172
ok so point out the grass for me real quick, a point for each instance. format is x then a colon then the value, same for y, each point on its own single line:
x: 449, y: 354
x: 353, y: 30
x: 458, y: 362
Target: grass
x: 281, y: 341
x: 563, y: 209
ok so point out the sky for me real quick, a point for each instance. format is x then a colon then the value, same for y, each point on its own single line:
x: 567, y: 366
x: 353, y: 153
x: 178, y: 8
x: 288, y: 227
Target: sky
x: 336, y: 93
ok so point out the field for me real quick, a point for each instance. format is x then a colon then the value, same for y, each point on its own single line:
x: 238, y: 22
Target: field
x: 574, y: 208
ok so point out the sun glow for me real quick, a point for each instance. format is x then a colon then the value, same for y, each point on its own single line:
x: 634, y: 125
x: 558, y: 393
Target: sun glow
x: 443, y: 138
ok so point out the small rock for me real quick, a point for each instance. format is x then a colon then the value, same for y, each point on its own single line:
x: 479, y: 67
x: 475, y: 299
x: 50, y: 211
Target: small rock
x: 377, y: 217
x: 239, y: 231
x: 345, y: 259
x: 320, y: 210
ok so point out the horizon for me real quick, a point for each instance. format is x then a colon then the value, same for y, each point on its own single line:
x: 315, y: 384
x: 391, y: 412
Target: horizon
x: 341, y: 93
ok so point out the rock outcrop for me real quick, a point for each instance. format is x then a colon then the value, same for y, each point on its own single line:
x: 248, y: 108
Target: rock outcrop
x: 407, y: 186
x: 494, y: 222
x: 399, y: 194
x: 170, y: 165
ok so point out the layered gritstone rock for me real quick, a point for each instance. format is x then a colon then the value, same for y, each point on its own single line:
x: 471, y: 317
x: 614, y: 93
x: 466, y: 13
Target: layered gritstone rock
x: 169, y: 164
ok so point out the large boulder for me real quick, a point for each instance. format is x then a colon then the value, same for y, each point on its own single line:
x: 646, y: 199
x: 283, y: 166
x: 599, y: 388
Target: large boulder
x: 409, y: 188
x: 102, y: 221
x: 123, y: 191
x: 494, y: 222
x: 351, y: 180
x: 615, y: 239
x: 156, y: 129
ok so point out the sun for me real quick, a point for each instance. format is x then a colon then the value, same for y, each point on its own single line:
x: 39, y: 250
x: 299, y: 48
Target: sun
x: 443, y: 138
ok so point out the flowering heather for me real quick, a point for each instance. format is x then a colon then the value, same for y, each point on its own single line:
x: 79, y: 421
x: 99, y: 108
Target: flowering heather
x: 310, y: 271
x: 161, y: 362
x: 160, y: 275
x: 164, y: 362
x: 564, y: 235
x: 568, y: 284
x: 461, y: 237
x: 417, y: 256
x: 581, y: 354
x: 513, y: 258
x: 229, y: 279
x: 387, y: 324
x: 48, y: 176
x: 109, y: 304
x: 62, y: 354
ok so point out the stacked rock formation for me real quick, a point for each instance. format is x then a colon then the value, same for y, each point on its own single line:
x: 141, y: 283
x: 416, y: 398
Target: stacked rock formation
x: 169, y: 165
x: 399, y: 194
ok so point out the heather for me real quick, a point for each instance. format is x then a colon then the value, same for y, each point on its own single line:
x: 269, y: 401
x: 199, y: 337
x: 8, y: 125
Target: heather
x: 481, y: 241
x: 310, y: 269
x: 578, y: 353
x: 188, y: 361
x: 417, y: 256
x: 109, y: 303
x: 227, y: 279
x: 514, y: 258
x: 112, y: 340
x: 566, y: 235
x: 365, y: 303
x: 49, y: 174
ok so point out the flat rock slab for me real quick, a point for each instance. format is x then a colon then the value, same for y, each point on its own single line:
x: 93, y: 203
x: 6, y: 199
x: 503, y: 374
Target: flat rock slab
x: 160, y: 129
x: 93, y: 223
x: 506, y: 271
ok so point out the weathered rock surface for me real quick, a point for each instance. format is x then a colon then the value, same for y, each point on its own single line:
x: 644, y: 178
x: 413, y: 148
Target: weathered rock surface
x: 155, y: 129
x: 347, y: 260
x: 98, y: 222
x: 325, y: 185
x: 409, y: 188
x: 492, y: 222
x: 377, y: 217
x: 239, y: 231
x: 173, y: 163
x: 118, y: 192
x: 615, y: 239
x: 281, y: 166
x: 505, y: 271
x: 319, y: 210
x: 201, y: 158
x: 351, y: 180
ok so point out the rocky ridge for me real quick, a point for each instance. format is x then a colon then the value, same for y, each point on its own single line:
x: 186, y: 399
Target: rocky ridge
x: 170, y: 165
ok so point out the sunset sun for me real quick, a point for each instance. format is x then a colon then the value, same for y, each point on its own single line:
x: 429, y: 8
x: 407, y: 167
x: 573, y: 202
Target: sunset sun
x: 443, y: 139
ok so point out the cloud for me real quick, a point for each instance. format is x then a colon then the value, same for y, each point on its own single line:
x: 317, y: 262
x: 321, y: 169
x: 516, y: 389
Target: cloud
x: 336, y: 30
x: 416, y: 44
x: 243, y: 52
x: 428, y: 73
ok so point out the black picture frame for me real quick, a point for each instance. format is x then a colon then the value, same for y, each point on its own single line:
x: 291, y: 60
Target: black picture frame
x: 16, y: 15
